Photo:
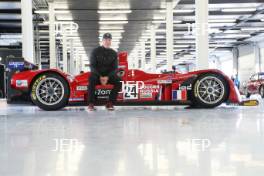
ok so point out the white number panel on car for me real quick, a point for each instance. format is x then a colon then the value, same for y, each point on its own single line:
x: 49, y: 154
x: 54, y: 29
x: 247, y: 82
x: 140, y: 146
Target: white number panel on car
x: 130, y: 92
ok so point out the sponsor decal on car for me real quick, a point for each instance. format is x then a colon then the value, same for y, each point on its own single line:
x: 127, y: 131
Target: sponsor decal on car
x: 148, y: 90
x: 145, y: 95
x: 196, y: 88
x: 121, y: 66
x: 81, y: 88
x: 102, y: 93
x: 179, y: 95
x: 167, y: 81
x: 187, y: 87
x: 34, y: 87
x: 76, y: 99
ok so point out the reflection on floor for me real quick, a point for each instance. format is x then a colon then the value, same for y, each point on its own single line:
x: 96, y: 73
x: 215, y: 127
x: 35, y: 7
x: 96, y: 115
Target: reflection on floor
x: 132, y: 141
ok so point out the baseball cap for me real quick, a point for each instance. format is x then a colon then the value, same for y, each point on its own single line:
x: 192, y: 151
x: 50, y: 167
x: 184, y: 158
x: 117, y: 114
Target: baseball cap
x: 107, y: 36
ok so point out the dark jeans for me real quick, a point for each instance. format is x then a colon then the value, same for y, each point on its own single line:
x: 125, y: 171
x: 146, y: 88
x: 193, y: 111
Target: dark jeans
x: 95, y: 80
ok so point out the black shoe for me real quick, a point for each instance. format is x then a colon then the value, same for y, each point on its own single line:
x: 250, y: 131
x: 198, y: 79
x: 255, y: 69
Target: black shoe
x: 91, y: 107
x: 110, y: 106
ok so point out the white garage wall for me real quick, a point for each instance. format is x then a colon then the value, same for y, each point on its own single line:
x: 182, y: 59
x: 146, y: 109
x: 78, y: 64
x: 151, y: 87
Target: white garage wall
x: 261, y: 45
x: 246, y: 62
x: 246, y: 67
x: 262, y: 59
x: 222, y: 61
x: 227, y: 67
x: 214, y: 62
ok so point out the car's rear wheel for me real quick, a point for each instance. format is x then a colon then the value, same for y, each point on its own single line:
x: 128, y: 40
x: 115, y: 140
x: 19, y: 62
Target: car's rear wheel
x: 261, y: 91
x: 50, y: 91
x: 210, y: 90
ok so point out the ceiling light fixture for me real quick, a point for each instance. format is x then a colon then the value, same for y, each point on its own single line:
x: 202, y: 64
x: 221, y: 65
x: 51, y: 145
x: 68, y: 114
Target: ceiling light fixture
x: 112, y: 19
x: 239, y: 10
x: 183, y: 11
x: 252, y: 29
x: 117, y: 37
x: 181, y: 46
x: 221, y: 24
x: 111, y: 28
x: 113, y: 22
x: 162, y: 21
x: 222, y: 20
x: 238, y: 36
x: 56, y: 11
x: 114, y: 35
x: 111, y: 31
x: 114, y: 11
x: 179, y: 11
x: 41, y: 11
x: 225, y: 41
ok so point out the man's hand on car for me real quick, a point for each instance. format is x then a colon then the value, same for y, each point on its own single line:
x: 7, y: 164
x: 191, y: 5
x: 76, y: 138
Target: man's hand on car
x: 104, y: 80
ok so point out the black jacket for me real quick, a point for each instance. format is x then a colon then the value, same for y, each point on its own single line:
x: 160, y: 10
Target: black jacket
x: 103, y: 61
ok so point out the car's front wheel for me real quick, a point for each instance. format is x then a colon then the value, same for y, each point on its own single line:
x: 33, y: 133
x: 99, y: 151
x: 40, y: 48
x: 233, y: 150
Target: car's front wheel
x: 50, y: 91
x: 210, y: 90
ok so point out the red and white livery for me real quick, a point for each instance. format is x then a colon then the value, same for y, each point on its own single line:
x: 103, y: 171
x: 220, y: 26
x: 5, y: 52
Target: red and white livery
x: 52, y: 89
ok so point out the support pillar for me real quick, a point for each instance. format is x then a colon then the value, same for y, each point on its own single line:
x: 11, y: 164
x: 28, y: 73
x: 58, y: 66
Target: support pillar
x: 137, y: 56
x: 235, y: 61
x: 143, y: 56
x: 72, y: 68
x: 52, y: 39
x: 202, y: 38
x: 169, y: 35
x: 257, y: 58
x: 80, y: 63
x: 64, y: 53
x: 27, y: 31
x: 153, y: 59
x: 37, y: 52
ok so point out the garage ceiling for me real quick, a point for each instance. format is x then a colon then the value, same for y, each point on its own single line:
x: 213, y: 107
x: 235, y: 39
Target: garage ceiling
x: 232, y: 22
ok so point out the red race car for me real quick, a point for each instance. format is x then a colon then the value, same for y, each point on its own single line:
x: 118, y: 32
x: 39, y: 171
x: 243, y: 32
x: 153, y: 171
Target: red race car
x: 52, y: 89
x: 255, y: 85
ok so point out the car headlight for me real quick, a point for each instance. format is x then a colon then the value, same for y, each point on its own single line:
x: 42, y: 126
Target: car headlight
x: 21, y: 83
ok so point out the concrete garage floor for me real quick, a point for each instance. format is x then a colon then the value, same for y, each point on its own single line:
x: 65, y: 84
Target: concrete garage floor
x: 132, y: 141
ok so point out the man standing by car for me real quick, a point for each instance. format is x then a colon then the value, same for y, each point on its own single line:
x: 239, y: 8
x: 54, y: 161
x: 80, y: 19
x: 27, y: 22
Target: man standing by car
x: 104, y: 65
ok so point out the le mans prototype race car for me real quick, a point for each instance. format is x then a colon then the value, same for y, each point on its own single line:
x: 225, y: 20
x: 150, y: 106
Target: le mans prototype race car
x: 51, y: 89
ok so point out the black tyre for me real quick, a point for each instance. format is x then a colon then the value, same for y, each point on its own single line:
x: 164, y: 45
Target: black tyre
x: 261, y: 91
x: 50, y: 92
x: 210, y: 90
